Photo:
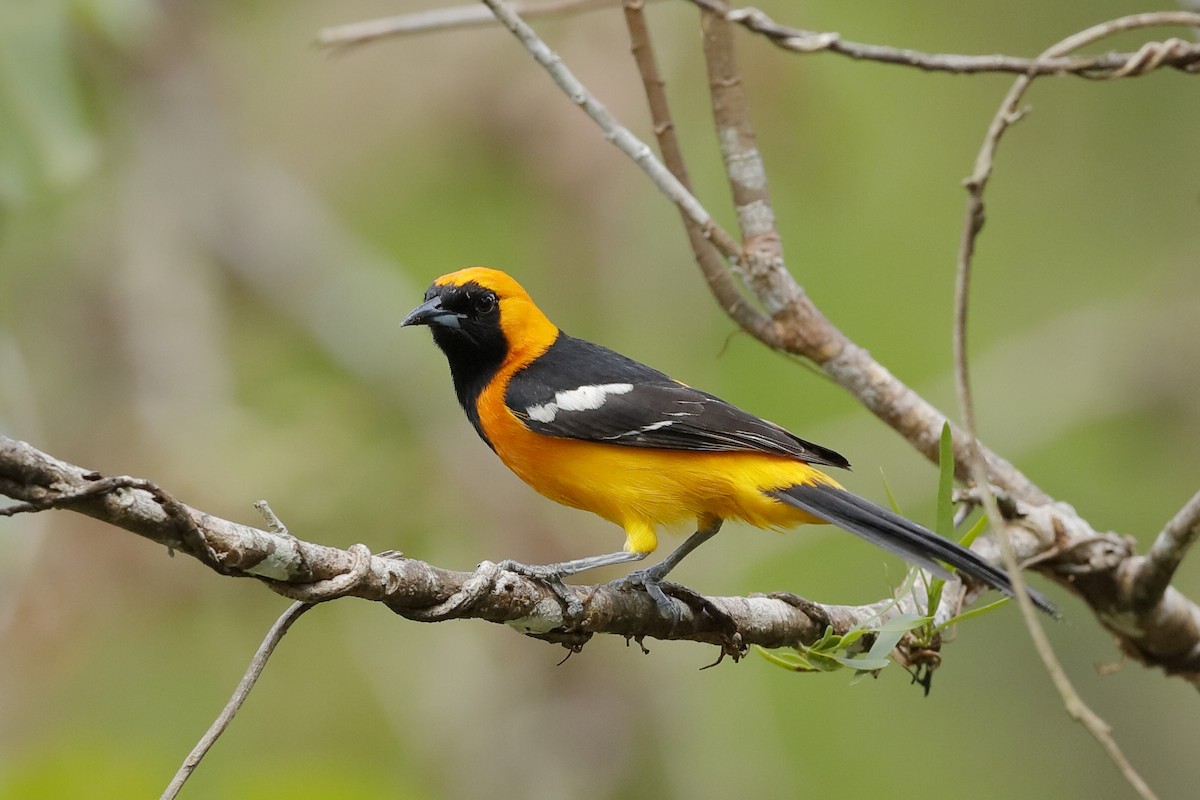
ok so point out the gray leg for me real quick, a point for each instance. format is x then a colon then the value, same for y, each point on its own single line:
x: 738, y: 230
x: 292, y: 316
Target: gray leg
x: 647, y: 579
x: 553, y: 572
x: 659, y: 571
x: 552, y: 575
x: 650, y: 578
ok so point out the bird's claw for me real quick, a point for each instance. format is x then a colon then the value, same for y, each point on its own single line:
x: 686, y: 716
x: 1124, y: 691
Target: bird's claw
x: 551, y: 577
x: 539, y: 572
x: 649, y: 581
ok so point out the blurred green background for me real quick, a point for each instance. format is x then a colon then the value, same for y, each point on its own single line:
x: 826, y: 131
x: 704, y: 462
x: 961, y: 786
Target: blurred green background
x: 209, y: 230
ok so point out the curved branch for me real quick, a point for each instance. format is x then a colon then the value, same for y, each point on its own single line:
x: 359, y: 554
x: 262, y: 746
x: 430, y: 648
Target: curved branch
x: 1130, y: 614
x: 1131, y: 606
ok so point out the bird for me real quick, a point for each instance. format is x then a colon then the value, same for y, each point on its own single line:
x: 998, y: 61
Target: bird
x: 596, y: 430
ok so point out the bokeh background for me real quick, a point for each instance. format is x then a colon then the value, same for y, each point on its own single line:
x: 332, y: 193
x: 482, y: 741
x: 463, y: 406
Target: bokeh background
x: 209, y: 230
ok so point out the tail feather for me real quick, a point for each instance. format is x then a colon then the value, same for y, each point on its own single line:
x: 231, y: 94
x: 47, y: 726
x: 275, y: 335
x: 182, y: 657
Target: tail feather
x: 898, y: 535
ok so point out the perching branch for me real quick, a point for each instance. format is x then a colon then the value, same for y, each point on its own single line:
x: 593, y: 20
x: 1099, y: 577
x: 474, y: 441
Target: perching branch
x: 310, y: 573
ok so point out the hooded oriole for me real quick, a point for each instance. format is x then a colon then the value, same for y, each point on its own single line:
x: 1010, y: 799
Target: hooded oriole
x: 593, y: 429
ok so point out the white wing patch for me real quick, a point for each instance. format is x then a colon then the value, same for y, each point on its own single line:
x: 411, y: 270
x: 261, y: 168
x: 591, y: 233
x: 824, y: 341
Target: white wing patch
x: 585, y: 398
x: 653, y: 426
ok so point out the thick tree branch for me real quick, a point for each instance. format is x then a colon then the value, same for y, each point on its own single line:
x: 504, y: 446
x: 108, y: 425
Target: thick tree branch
x: 310, y: 572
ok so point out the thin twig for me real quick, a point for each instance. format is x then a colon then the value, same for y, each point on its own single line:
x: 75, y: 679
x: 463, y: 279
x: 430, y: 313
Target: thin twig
x: 240, y: 694
x: 712, y: 264
x: 761, y: 246
x: 1008, y: 113
x: 344, y: 37
x: 614, y: 131
x: 1181, y: 55
x: 1184, y: 56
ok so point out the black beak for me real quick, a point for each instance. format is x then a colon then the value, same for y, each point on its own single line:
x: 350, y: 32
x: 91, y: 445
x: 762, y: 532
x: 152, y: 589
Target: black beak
x: 431, y: 313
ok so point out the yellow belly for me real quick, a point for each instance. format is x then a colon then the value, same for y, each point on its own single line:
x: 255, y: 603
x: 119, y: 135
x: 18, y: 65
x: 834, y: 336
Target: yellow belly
x: 640, y: 488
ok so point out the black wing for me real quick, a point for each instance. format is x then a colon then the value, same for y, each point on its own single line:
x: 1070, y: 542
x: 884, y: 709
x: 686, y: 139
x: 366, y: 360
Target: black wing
x: 580, y: 390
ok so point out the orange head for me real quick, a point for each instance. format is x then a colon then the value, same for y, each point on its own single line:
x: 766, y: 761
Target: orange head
x: 482, y: 319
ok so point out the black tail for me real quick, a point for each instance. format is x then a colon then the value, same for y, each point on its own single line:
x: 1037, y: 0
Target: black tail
x: 898, y: 535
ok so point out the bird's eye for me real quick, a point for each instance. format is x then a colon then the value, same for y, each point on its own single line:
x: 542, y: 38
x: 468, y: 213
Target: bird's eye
x: 485, y: 303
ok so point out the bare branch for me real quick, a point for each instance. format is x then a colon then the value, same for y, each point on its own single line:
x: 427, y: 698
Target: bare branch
x: 1166, y: 554
x: 345, y: 37
x: 273, y: 637
x: 762, y: 249
x: 1176, y: 53
x: 712, y: 264
x: 1008, y: 113
x: 419, y: 591
x: 616, y: 133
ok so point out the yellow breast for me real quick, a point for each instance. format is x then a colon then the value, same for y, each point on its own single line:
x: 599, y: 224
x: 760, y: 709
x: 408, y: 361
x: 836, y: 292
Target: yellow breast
x: 639, y: 488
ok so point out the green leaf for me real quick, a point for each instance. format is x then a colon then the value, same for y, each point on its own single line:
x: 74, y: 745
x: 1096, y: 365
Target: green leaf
x: 902, y: 623
x: 945, y: 504
x: 891, y: 497
x: 791, y: 661
x: 971, y: 535
x: 864, y: 663
x: 974, y: 612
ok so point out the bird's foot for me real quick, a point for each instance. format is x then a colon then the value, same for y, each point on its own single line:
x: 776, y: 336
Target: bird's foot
x: 665, y: 593
x: 650, y: 580
x: 550, y: 576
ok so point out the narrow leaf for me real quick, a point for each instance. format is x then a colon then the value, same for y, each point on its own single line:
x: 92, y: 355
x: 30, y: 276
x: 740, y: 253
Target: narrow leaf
x: 974, y: 612
x: 891, y: 497
x: 971, y: 535
x: 945, y: 504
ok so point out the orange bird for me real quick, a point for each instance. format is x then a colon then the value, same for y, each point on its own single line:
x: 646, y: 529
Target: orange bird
x: 593, y: 429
